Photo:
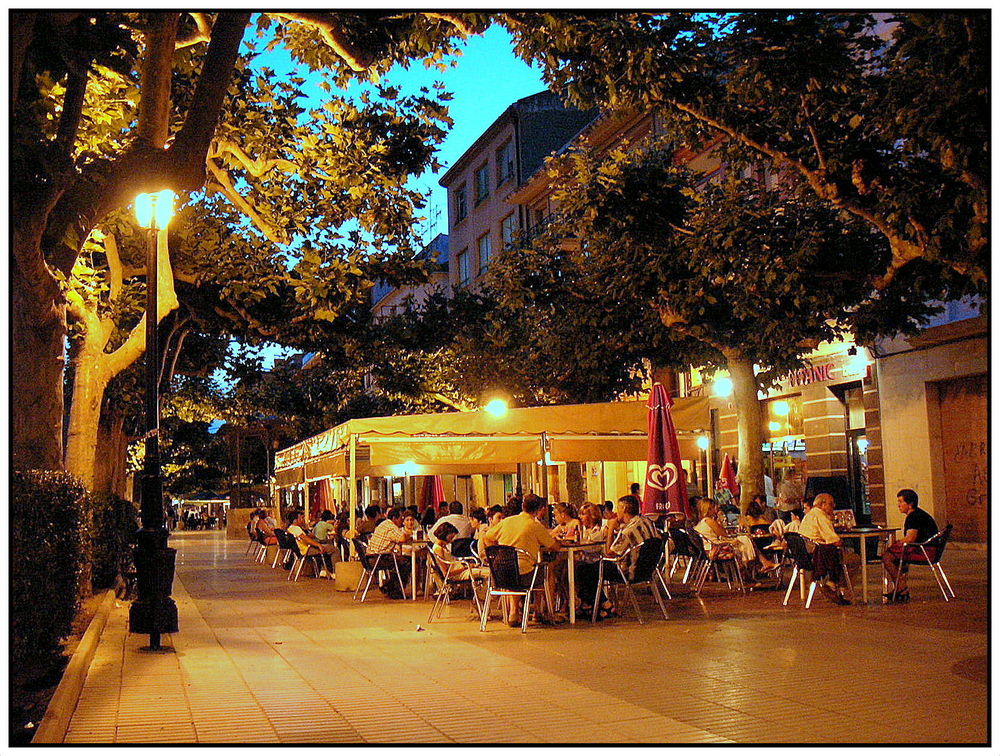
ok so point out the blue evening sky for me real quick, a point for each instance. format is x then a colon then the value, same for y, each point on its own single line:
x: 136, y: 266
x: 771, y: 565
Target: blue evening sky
x: 486, y: 79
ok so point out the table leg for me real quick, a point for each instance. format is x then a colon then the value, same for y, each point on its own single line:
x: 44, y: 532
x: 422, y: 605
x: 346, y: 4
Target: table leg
x: 572, y: 586
x: 413, y: 574
x: 864, y: 570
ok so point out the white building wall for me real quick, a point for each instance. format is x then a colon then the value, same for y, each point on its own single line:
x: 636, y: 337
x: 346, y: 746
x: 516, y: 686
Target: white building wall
x: 907, y: 435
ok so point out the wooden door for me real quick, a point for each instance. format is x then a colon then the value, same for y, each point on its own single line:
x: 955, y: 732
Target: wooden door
x: 964, y: 451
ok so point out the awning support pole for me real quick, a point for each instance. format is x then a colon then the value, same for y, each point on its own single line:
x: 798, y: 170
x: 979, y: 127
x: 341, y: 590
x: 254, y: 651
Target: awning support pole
x: 353, y: 491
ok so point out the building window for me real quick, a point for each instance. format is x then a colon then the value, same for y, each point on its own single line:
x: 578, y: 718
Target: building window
x: 485, y: 252
x: 461, y: 206
x: 505, y: 163
x: 508, y: 227
x: 482, y: 183
x: 463, y: 267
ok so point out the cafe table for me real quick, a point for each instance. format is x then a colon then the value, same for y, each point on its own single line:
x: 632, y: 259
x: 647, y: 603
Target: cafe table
x: 863, y: 534
x: 417, y: 547
x: 571, y: 550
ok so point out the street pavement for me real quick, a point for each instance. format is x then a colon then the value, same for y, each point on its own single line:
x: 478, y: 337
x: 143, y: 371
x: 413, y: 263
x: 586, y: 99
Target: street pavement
x: 259, y: 659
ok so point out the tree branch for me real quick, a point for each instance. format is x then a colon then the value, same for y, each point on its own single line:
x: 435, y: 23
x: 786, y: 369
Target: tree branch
x: 333, y: 35
x: 115, y: 268
x: 457, y: 21
x: 229, y: 192
x: 157, y: 70
x: 820, y: 157
x: 135, y: 343
x: 22, y: 31
x: 72, y: 109
x: 201, y: 33
x: 673, y: 319
x: 255, y: 168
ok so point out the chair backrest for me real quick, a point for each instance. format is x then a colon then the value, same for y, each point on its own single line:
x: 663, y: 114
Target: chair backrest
x: 462, y: 547
x: 360, y: 547
x: 503, y: 564
x: 439, y: 565
x: 938, y: 541
x: 762, y: 529
x: 648, y: 560
x: 798, y: 551
x: 683, y: 543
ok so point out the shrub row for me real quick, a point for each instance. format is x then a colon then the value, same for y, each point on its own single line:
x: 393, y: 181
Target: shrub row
x: 64, y: 544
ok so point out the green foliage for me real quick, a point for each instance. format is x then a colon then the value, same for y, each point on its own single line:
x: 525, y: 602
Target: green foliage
x: 887, y: 123
x: 114, y: 522
x: 48, y: 539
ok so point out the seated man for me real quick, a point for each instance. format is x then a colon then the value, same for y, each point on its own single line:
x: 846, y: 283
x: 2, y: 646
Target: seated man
x: 525, y: 532
x: 817, y: 526
x: 634, y: 530
x: 308, y: 546
x: 323, y: 532
x: 917, y: 527
x: 387, y: 538
x: 455, y: 517
x: 369, y: 522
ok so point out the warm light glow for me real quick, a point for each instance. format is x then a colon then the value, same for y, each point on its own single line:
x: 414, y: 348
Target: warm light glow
x: 496, y: 407
x: 409, y: 467
x: 703, y: 443
x: 144, y: 209
x: 164, y: 208
x: 781, y: 408
x: 723, y: 387
x: 774, y: 425
x: 863, y: 445
x: 158, y: 207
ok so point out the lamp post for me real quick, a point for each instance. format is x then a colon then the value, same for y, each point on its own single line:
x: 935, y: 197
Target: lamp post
x: 154, y: 611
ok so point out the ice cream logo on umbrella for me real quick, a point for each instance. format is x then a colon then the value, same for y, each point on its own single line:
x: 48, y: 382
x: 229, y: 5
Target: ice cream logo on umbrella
x: 661, y: 477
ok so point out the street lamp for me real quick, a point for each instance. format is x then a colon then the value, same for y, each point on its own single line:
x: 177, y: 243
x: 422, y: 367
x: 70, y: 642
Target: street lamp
x: 154, y: 611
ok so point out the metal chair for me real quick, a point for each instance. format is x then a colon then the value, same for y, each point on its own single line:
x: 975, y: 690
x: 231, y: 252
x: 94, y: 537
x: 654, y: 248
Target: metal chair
x: 372, y: 564
x: 716, y: 554
x: 283, y: 551
x: 611, y: 571
x: 462, y: 548
x: 916, y: 553
x: 287, y: 541
x: 442, y: 596
x: 686, y: 547
x: 505, y: 580
x: 803, y: 562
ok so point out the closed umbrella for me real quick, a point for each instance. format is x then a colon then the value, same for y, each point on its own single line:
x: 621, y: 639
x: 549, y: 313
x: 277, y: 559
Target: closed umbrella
x: 727, y: 478
x: 666, y: 489
x: 432, y: 492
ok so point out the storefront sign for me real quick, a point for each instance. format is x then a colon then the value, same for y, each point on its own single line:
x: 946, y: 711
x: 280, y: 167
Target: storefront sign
x: 811, y: 374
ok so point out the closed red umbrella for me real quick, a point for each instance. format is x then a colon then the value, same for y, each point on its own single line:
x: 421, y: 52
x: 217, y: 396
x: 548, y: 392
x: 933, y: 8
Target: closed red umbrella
x: 432, y: 492
x: 727, y: 478
x: 666, y: 489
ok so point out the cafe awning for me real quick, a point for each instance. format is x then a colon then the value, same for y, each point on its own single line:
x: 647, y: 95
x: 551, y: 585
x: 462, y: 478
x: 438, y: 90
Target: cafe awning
x: 480, y: 441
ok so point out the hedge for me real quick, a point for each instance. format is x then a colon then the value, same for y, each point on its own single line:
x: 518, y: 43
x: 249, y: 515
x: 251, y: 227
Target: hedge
x: 114, y: 522
x: 49, y: 539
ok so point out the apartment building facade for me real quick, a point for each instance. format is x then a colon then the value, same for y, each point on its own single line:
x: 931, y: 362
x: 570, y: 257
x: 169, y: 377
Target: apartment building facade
x: 481, y: 219
x: 387, y: 300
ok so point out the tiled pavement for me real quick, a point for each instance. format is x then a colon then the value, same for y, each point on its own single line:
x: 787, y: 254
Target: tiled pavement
x: 259, y: 659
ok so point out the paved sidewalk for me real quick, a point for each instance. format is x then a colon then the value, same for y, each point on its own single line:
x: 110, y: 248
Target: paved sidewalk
x: 259, y: 659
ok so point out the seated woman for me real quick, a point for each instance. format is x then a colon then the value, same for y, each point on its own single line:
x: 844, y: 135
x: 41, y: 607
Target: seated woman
x: 591, y: 527
x: 567, y: 525
x: 429, y: 518
x: 265, y: 527
x: 715, y: 534
x: 453, y: 568
x: 756, y: 517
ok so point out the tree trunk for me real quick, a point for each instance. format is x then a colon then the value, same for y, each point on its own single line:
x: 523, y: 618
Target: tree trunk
x: 576, y: 484
x: 38, y: 329
x: 89, y: 382
x: 750, y: 424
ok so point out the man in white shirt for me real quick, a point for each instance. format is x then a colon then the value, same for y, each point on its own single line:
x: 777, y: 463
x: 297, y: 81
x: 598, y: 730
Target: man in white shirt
x: 462, y: 523
x: 308, y: 546
x: 817, y: 526
x: 388, y: 537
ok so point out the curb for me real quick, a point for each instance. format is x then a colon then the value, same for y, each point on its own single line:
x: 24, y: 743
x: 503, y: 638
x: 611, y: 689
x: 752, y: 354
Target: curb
x: 52, y: 728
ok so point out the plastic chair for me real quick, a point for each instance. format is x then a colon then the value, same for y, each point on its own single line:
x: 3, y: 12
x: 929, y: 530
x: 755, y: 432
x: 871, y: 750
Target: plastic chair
x: 442, y: 569
x: 287, y: 541
x: 505, y: 580
x: 916, y: 553
x: 611, y: 571
x: 372, y: 564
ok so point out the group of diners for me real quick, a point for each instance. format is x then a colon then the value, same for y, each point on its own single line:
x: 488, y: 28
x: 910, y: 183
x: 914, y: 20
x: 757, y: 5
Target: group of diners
x: 618, y: 528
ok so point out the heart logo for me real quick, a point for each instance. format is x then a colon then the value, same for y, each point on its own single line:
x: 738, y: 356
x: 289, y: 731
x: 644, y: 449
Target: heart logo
x: 661, y: 477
